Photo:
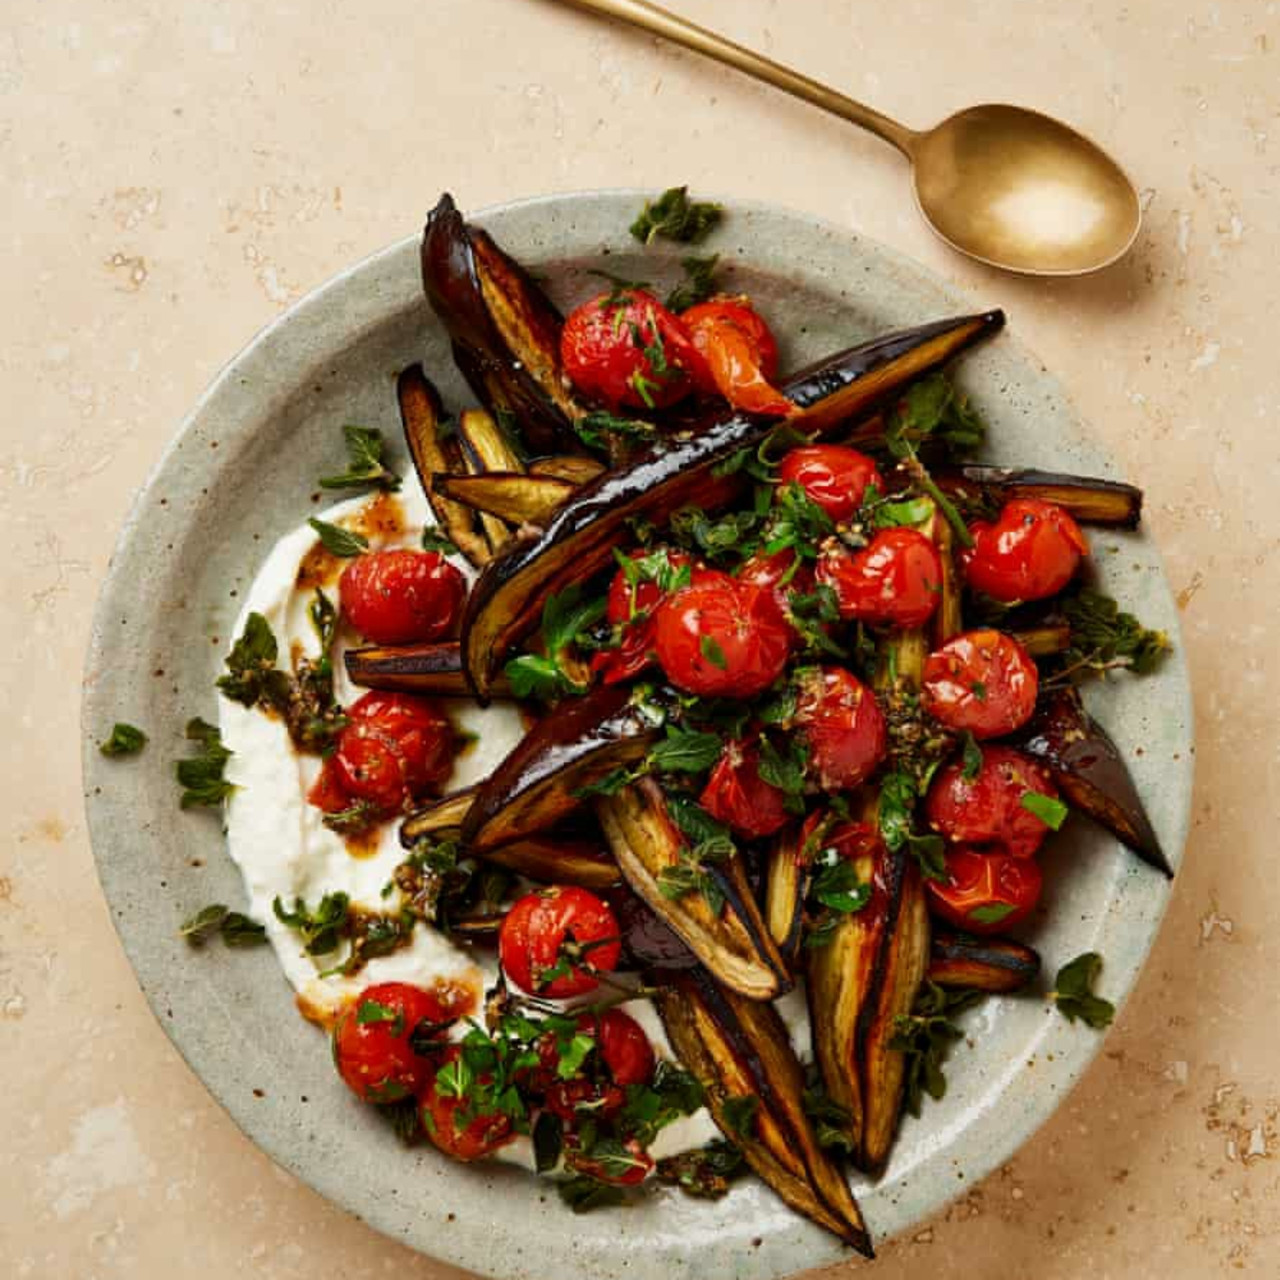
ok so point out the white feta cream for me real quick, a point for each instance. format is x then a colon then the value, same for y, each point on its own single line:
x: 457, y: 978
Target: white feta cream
x: 279, y: 840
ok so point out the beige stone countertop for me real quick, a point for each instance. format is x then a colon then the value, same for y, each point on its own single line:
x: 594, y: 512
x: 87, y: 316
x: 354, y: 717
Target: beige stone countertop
x: 176, y: 175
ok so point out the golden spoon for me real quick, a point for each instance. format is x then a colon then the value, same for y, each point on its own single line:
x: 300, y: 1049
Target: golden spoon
x: 1010, y: 187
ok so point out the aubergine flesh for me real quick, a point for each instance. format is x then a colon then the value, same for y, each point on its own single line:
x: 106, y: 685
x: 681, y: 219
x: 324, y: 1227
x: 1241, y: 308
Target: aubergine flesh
x: 509, y: 495
x: 998, y: 965
x: 433, y: 669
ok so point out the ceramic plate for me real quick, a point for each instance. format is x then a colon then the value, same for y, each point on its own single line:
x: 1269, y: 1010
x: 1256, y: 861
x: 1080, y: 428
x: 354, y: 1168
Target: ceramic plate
x: 241, y: 472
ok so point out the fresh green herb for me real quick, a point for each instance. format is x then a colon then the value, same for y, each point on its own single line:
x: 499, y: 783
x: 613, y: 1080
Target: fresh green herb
x: 324, y: 619
x: 674, y: 216
x: 402, y: 1116
x: 971, y: 757
x: 932, y: 412
x: 1102, y: 636
x: 710, y: 648
x: 1050, y: 811
x: 355, y: 819
x: 573, y: 1055
x: 796, y: 522
x: 812, y: 615
x: 831, y: 1122
x: 434, y: 540
x: 899, y: 793
x: 564, y: 618
x: 705, y: 1172
x: 201, y: 776
x: 651, y: 1108
x: 909, y: 512
x: 322, y: 928
x: 698, y: 285
x: 596, y: 428
x: 1074, y: 996
x: 709, y: 843
x: 252, y: 675
x: 621, y: 288
x: 738, y: 1114
x: 685, y: 751
x: 125, y: 740
x: 235, y: 928
x: 364, y: 462
x: 583, y: 1193
x: 837, y: 886
x: 370, y: 1012
x: 979, y: 690
x: 338, y: 541
x: 655, y: 566
x: 991, y: 912
x: 784, y: 767
x: 926, y: 1035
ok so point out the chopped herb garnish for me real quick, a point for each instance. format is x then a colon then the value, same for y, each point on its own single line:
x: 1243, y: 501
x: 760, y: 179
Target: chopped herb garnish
x: 705, y: 1172
x: 564, y: 618
x: 991, y: 912
x: 926, y: 1035
x: 714, y: 654
x: 201, y: 776
x: 673, y: 216
x: 356, y: 818
x: 548, y: 1141
x: 125, y: 740
x: 685, y: 751
x: 338, y: 541
x: 933, y: 412
x: 434, y: 540
x: 709, y: 843
x: 899, y: 793
x: 584, y: 1193
x: 1103, y: 636
x: 322, y: 928
x: 1074, y: 996
x: 698, y: 285
x: 364, y: 462
x: 252, y: 675
x: 369, y: 1012
x: 831, y: 1122
x: 1052, y: 812
x: 595, y: 429
x: 323, y: 617
x: 971, y: 757
x: 235, y: 928
x: 738, y: 1114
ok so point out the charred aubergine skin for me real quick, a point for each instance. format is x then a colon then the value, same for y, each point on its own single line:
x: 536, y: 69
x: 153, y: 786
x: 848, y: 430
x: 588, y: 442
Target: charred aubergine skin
x: 740, y: 1048
x: 506, y: 602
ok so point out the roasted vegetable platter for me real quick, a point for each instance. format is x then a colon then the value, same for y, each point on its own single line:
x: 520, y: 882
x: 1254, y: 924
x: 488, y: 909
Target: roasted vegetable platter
x: 681, y: 759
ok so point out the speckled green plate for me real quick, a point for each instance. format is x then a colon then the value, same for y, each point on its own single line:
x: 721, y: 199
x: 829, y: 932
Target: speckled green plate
x: 241, y: 472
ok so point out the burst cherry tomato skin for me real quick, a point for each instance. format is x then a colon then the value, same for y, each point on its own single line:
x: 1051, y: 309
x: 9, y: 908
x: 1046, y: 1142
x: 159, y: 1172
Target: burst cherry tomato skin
x: 832, y: 475
x: 987, y: 809
x: 610, y: 349
x: 399, y: 597
x: 371, y: 1040
x: 396, y: 747
x: 479, y: 1137
x: 540, y: 928
x: 721, y: 637
x: 739, y: 356
x: 983, y: 681
x: 1031, y: 551
x: 736, y: 794
x: 1003, y: 890
x: 896, y: 581
x: 843, y: 725
x: 631, y: 606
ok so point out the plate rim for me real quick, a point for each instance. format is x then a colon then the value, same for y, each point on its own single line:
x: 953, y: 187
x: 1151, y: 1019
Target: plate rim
x: 94, y: 712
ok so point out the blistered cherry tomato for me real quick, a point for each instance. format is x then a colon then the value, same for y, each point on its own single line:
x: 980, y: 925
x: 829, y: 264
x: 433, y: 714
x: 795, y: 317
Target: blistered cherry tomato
x: 983, y: 681
x: 736, y: 794
x: 623, y: 1169
x: 371, y: 1041
x: 395, y: 747
x: 832, y: 475
x: 739, y: 356
x: 985, y: 892
x: 895, y: 581
x: 722, y: 637
x: 987, y: 808
x: 626, y: 1054
x: 630, y: 605
x: 460, y: 1138
x: 369, y: 766
x: 626, y: 348
x: 781, y: 574
x: 843, y: 725
x: 552, y: 939
x: 1031, y: 551
x: 398, y: 597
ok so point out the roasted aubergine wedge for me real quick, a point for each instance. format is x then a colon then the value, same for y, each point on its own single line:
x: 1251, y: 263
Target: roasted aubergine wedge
x: 505, y: 330
x: 730, y: 938
x: 740, y: 1052
x: 1090, y: 771
x: 998, y: 965
x: 511, y: 496
x: 506, y: 603
x: 433, y: 669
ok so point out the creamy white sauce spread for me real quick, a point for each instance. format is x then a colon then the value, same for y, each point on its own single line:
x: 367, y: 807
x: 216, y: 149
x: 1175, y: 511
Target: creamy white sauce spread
x: 279, y: 840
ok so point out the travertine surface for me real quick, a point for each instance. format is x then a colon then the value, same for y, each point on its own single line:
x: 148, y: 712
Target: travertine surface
x: 174, y: 176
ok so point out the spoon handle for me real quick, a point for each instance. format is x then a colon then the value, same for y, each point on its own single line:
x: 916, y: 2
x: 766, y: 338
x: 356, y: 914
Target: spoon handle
x: 649, y: 17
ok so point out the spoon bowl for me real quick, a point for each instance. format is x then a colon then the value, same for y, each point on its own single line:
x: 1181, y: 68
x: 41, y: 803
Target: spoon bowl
x: 1020, y: 190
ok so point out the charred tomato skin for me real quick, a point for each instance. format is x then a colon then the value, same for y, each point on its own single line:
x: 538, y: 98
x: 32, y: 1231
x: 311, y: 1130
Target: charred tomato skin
x: 739, y: 797
x: 541, y: 926
x: 831, y: 475
x: 987, y: 809
x: 371, y: 1047
x: 1029, y: 552
x: 738, y: 355
x: 895, y: 581
x: 478, y: 1137
x: 721, y: 637
x: 843, y: 726
x: 627, y: 350
x: 982, y: 681
x: 1001, y: 889
x: 402, y: 596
